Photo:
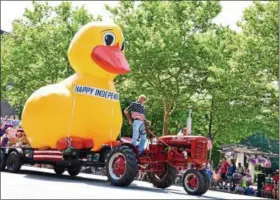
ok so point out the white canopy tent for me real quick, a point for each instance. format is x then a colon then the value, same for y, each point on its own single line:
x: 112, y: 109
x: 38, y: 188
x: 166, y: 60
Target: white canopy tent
x: 240, y: 152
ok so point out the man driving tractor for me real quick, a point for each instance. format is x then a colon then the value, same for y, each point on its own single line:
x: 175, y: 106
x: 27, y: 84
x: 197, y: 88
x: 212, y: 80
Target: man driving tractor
x: 135, y: 114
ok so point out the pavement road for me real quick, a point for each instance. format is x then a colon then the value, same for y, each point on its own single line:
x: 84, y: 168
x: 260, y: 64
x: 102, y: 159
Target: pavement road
x: 37, y: 183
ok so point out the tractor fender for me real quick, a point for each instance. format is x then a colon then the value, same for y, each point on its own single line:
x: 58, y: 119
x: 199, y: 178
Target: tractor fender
x: 131, y: 146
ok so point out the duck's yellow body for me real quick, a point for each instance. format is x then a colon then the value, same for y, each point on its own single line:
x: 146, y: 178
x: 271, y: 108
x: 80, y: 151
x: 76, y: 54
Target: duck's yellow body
x: 85, y: 105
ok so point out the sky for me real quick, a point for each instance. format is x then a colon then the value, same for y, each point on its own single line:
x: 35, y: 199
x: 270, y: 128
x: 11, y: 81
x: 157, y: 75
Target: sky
x: 11, y: 10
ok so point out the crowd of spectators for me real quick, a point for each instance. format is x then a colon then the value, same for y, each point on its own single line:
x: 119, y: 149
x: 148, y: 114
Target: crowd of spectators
x: 228, y: 176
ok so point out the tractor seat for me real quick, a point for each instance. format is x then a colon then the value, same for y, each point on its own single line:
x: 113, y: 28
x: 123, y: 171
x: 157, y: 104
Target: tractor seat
x: 126, y: 139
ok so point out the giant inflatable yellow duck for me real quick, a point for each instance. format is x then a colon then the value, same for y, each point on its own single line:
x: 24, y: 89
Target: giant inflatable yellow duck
x: 84, y: 106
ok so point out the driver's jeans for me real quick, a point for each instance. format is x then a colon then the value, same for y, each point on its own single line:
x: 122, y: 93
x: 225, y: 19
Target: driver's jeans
x: 139, y: 131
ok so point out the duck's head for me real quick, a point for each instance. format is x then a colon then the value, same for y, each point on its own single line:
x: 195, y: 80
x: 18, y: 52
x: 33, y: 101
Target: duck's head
x: 98, y: 50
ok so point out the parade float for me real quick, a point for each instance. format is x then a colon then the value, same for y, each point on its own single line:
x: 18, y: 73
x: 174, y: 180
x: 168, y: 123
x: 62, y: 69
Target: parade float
x: 76, y: 123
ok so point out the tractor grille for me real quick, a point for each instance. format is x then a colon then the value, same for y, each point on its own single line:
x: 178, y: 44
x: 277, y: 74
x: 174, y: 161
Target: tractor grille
x: 200, y: 151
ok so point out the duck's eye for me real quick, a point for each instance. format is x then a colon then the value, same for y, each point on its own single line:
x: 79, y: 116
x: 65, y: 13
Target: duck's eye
x: 109, y: 39
x: 122, y: 48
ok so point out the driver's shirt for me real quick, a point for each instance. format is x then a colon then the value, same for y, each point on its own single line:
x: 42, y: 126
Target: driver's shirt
x: 137, y: 111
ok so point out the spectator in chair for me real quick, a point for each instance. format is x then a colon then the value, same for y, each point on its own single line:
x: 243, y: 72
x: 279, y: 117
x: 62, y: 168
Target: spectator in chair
x: 216, y: 178
x: 238, y: 188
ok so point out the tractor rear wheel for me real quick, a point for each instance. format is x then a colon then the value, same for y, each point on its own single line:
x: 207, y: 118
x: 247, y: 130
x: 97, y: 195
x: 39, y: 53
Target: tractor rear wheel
x: 165, y: 178
x: 121, y: 166
x: 194, y: 182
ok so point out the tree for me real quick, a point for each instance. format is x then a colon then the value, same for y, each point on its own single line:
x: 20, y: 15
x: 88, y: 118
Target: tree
x: 35, y: 53
x: 242, y: 88
x: 258, y: 56
x: 178, y: 59
x: 163, y: 50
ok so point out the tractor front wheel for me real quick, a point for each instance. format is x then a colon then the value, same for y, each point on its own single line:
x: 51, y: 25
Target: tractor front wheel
x: 165, y: 178
x: 121, y: 166
x: 194, y: 182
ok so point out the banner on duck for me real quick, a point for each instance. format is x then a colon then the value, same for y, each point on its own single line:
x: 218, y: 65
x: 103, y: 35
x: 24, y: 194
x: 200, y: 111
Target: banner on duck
x: 96, y: 92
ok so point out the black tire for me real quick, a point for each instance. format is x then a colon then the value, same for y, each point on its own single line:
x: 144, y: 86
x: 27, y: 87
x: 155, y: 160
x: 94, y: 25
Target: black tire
x: 58, y: 169
x: 13, y: 162
x: 207, y: 181
x: 199, y: 190
x: 165, y: 180
x: 131, y: 167
x: 73, y: 170
x: 2, y: 161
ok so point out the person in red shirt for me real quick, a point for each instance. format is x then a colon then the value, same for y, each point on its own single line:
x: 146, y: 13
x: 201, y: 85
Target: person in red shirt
x: 267, y: 190
x: 224, y: 168
x: 276, y: 177
x: 275, y: 190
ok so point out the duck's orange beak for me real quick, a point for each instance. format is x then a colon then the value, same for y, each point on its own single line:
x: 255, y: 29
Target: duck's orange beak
x: 111, y: 59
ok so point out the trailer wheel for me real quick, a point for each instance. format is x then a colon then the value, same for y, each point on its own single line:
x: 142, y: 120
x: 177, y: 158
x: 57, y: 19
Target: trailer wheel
x: 207, y: 181
x: 74, y: 170
x: 58, y: 169
x: 165, y: 178
x: 2, y: 161
x: 121, y: 166
x: 13, y: 162
x: 194, y: 182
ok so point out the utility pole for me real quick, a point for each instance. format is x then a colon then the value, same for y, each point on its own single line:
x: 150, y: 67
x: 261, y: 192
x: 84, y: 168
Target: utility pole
x: 189, y: 122
x: 210, y: 135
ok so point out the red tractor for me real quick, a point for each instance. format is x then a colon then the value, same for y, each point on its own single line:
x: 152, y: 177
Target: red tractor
x: 161, y: 162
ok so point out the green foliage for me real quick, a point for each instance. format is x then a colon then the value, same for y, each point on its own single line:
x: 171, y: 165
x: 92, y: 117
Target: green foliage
x: 178, y: 57
x: 35, y: 53
x: 257, y: 63
x: 164, y: 51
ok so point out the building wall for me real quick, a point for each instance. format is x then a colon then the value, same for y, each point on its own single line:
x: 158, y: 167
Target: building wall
x: 6, y: 109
